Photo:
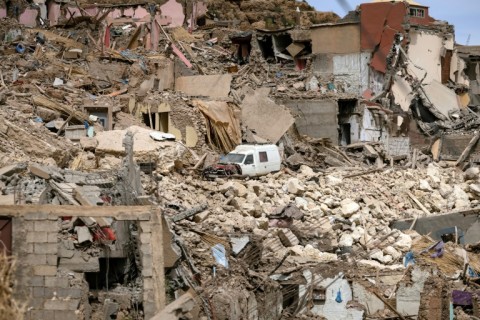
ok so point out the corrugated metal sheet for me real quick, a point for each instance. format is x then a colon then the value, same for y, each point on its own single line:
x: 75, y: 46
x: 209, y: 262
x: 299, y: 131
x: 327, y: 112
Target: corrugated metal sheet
x: 351, y: 71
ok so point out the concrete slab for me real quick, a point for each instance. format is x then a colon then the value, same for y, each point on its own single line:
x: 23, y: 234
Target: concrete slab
x: 315, y: 118
x: 213, y: 86
x: 264, y: 116
x: 441, y: 97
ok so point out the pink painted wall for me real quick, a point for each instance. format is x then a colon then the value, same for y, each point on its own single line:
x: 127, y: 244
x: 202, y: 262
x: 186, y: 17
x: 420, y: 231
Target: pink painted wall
x: 175, y: 10
x: 29, y: 18
x: 53, y: 14
x: 3, y: 13
x: 199, y: 9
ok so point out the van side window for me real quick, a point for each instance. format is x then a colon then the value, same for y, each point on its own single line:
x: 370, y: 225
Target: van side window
x: 249, y: 159
x: 263, y: 156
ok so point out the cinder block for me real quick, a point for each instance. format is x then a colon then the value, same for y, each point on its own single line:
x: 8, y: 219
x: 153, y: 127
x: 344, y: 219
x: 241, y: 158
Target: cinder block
x: 45, y: 225
x: 49, y: 293
x: 147, y: 271
x: 52, y: 237
x: 36, y: 216
x: 36, y: 303
x: 72, y: 293
x: 147, y: 260
x: 41, y: 314
x: 46, y: 248
x: 61, y: 304
x: 36, y: 281
x: 145, y: 237
x: 56, y: 282
x: 44, y: 270
x: 33, y: 259
x: 64, y: 315
x: 149, y: 309
x: 146, y: 248
x: 38, y: 292
x: 36, y: 237
x: 27, y: 248
x: 27, y: 225
x: 147, y: 283
x: 52, y: 259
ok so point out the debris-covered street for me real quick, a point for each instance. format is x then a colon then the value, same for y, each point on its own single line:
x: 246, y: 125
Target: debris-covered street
x: 237, y: 160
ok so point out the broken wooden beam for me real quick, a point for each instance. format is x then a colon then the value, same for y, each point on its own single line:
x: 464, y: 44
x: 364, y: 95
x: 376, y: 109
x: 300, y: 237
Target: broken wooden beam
x: 52, y: 105
x: 363, y: 173
x: 468, y: 149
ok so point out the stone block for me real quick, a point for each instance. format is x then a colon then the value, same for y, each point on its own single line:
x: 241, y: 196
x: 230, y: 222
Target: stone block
x: 61, y: 304
x: 37, y: 237
x: 45, y: 248
x: 45, y: 225
x: 44, y: 270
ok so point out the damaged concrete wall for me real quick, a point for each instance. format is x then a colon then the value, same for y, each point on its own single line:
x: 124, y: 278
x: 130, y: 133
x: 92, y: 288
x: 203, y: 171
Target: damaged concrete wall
x: 426, y: 49
x: 51, y: 291
x: 261, y: 114
x: 315, y: 118
x: 325, y: 38
x: 351, y: 72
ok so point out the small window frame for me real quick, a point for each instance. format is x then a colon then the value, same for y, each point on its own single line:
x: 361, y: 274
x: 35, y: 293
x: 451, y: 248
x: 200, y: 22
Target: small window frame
x: 417, y: 12
x: 247, y: 158
x: 263, y: 156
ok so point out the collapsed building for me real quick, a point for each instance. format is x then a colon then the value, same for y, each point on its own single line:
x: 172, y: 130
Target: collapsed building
x: 109, y: 113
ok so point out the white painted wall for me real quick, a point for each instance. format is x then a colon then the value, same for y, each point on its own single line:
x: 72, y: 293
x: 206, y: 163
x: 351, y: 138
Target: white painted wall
x: 351, y: 71
x: 425, y: 50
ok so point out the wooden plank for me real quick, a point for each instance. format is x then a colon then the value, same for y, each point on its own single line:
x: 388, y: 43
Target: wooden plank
x: 468, y: 149
x: 158, y: 262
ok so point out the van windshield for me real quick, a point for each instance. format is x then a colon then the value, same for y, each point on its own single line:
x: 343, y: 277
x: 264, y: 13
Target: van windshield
x: 232, y: 158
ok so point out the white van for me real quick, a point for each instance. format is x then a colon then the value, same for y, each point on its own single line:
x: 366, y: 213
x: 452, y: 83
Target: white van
x: 254, y: 159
